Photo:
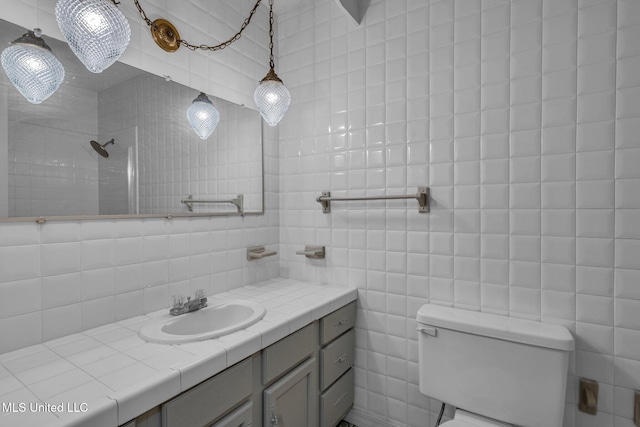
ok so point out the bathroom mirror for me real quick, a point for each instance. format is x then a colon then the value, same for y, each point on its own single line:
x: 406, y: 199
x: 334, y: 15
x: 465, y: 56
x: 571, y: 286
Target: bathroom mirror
x: 49, y: 166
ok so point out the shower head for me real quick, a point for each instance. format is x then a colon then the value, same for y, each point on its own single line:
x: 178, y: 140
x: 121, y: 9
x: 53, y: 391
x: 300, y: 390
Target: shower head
x: 100, y: 148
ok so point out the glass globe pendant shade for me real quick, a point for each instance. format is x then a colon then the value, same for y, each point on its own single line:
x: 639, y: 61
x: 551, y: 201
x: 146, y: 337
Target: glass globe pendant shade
x: 203, y: 116
x: 32, y: 68
x: 97, y: 32
x: 272, y: 98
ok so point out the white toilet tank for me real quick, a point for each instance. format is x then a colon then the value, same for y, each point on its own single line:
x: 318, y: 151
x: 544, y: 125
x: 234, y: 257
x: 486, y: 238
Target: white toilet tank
x: 508, y: 369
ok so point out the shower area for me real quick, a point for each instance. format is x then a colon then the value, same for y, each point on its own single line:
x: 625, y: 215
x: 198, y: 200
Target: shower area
x: 118, y: 172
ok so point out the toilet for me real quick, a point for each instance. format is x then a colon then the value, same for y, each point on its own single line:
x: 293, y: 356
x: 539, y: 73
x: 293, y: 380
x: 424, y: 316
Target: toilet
x: 496, y: 370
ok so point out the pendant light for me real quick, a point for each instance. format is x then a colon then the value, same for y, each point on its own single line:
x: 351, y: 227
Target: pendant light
x: 203, y: 116
x: 271, y: 96
x: 96, y: 30
x: 32, y: 68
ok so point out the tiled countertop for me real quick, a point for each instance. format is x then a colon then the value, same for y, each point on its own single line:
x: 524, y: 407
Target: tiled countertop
x: 109, y: 375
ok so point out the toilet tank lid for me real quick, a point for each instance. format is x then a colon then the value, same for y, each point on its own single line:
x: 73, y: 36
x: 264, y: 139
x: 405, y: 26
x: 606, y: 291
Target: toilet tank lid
x: 495, y: 326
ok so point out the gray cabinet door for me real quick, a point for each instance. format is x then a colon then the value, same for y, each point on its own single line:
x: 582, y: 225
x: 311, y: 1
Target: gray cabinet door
x: 241, y: 417
x: 291, y: 401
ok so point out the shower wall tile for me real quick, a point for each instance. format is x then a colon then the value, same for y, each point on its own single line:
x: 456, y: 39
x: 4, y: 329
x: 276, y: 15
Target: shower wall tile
x: 50, y: 171
x: 527, y: 120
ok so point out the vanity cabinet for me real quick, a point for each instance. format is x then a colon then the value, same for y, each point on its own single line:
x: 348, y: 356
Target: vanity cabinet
x: 209, y: 400
x: 303, y: 380
x: 336, y: 364
x: 290, y: 372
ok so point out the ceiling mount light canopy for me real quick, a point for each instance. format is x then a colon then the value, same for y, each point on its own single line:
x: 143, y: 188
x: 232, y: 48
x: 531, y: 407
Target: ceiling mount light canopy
x: 32, y: 67
x: 96, y: 30
x: 166, y: 35
x: 203, y: 116
x: 271, y: 96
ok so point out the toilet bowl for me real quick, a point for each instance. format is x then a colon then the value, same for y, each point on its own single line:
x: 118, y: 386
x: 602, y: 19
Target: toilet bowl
x: 498, y: 370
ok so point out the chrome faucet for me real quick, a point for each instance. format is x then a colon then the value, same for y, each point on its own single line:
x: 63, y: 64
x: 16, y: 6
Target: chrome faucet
x: 182, y: 307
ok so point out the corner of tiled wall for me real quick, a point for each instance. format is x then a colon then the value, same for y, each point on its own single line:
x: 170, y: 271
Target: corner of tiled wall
x: 521, y: 116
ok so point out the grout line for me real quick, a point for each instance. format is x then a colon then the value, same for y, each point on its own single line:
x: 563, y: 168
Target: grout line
x: 575, y: 189
x: 480, y: 165
x: 453, y: 143
x: 615, y: 182
x: 541, y: 150
x: 508, y: 241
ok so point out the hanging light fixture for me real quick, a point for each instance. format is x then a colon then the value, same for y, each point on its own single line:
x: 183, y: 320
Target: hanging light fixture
x: 271, y: 96
x: 96, y: 30
x: 203, y: 116
x: 32, y: 68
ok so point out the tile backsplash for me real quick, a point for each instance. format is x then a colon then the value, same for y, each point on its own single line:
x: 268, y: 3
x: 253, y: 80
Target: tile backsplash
x: 523, y: 118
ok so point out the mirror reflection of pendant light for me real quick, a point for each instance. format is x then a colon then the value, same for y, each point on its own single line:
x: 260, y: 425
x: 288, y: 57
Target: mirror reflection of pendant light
x: 32, y: 68
x: 97, y: 32
x: 203, y: 116
x: 271, y: 96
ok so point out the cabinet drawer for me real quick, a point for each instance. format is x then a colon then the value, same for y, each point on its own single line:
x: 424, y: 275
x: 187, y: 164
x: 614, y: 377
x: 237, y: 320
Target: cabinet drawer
x: 280, y: 357
x: 337, y: 400
x: 241, y: 417
x: 336, y: 358
x: 207, y: 401
x: 337, y: 323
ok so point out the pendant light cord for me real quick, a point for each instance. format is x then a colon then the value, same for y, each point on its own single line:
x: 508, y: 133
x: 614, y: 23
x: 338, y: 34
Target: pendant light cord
x: 218, y: 46
x: 272, y: 63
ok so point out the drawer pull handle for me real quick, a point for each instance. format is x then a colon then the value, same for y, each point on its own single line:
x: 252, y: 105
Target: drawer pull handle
x: 274, y: 416
x: 339, y: 399
x: 340, y: 323
x: 340, y: 359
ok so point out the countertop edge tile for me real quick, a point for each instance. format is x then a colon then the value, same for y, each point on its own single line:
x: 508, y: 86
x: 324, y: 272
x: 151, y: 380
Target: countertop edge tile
x: 147, y: 394
x: 241, y: 349
x: 193, y: 372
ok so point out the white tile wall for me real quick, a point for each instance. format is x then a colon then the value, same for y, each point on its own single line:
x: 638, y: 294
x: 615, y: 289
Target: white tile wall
x: 64, y: 277
x: 522, y: 116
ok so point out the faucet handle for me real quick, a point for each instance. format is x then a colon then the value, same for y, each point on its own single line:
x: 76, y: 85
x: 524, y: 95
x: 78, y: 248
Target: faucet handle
x: 200, y: 293
x: 177, y: 301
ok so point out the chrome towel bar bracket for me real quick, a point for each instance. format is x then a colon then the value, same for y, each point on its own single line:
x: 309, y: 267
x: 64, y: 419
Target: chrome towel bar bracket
x: 313, y: 252
x: 238, y: 202
x: 258, y: 252
x: 422, y: 196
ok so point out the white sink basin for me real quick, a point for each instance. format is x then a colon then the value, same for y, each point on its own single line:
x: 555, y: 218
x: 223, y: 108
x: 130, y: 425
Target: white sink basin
x: 211, y: 322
